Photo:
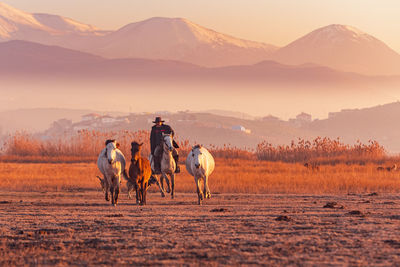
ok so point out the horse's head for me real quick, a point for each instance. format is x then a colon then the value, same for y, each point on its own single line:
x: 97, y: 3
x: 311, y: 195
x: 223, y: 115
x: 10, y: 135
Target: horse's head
x: 135, y: 149
x: 167, y: 138
x: 111, y: 151
x: 196, y: 154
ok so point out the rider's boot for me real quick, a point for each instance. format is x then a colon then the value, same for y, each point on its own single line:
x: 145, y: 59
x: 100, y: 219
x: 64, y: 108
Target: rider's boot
x: 177, y: 169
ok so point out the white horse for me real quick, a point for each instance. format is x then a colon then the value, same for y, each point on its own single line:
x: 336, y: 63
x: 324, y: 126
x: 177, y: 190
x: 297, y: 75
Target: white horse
x: 168, y: 166
x: 111, y: 163
x: 200, y: 164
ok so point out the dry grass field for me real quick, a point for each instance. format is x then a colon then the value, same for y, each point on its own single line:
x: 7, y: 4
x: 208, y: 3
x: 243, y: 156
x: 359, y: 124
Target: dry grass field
x: 262, y: 211
x: 230, y: 176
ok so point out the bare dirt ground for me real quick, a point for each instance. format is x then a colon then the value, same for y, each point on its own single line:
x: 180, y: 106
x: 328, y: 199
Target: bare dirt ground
x: 80, y: 228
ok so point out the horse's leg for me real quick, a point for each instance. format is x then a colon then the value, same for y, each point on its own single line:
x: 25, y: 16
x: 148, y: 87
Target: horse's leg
x: 112, y: 195
x: 107, y: 188
x: 162, y: 182
x: 199, y: 192
x: 165, y: 176
x: 137, y: 193
x: 141, y: 191
x: 159, y: 186
x: 116, y: 188
x: 107, y: 197
x: 172, y: 185
x: 206, y: 188
x: 144, y: 193
x: 129, y: 185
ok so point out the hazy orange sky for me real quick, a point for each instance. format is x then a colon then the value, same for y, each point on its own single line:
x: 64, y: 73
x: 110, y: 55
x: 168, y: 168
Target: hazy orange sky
x: 270, y: 21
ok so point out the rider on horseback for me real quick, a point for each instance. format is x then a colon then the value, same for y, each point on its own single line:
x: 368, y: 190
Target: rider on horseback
x: 156, y: 139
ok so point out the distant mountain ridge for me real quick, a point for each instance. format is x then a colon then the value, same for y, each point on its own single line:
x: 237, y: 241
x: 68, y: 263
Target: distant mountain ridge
x: 336, y: 46
x: 155, y: 38
x: 23, y: 59
x: 182, y: 40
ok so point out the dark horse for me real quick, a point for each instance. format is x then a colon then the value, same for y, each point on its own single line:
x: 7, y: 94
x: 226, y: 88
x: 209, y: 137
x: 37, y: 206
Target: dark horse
x: 139, y: 173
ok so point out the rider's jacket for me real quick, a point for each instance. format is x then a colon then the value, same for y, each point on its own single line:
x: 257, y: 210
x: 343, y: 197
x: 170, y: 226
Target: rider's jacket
x: 156, y: 135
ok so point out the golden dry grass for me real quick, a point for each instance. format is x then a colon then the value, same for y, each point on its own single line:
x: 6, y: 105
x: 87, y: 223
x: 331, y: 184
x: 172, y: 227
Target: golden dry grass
x: 85, y: 146
x: 230, y: 176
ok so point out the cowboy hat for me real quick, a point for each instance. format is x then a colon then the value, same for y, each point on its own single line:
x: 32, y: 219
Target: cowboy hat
x: 158, y: 119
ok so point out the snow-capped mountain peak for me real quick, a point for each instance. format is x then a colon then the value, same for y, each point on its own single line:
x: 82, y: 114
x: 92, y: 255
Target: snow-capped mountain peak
x: 12, y: 19
x: 17, y: 24
x: 337, y: 34
x: 185, y: 31
x: 63, y: 24
x: 181, y: 39
x: 341, y: 47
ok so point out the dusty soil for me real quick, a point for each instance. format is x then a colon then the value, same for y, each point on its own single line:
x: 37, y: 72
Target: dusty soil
x: 81, y: 228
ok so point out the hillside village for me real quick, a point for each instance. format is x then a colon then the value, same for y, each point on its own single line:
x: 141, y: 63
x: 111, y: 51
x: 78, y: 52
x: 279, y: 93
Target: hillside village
x: 375, y: 123
x: 350, y: 125
x: 196, y: 127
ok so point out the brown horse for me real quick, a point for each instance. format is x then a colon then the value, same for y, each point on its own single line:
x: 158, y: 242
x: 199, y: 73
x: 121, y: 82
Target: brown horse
x: 139, y: 173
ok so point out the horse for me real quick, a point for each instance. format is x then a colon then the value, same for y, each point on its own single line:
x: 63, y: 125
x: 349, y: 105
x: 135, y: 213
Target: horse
x: 111, y: 163
x: 200, y: 164
x: 139, y: 173
x: 168, y: 166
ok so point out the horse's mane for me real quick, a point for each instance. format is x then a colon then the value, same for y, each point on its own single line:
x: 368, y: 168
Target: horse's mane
x: 196, y: 147
x: 109, y: 141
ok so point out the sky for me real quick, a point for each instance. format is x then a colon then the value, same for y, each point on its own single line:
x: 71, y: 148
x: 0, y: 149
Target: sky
x: 270, y: 21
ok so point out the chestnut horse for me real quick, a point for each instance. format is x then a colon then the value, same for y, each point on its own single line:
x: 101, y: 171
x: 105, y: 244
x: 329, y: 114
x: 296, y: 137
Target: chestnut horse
x: 139, y: 173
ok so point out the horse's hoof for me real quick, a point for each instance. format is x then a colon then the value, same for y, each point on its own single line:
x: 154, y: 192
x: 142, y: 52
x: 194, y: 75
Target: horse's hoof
x: 168, y: 191
x: 208, y: 195
x: 162, y: 195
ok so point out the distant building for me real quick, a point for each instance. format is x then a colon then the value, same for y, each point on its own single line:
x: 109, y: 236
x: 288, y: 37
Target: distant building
x: 270, y: 118
x: 90, y: 117
x: 108, y: 119
x: 301, y: 119
x: 241, y: 128
x: 341, y: 112
x: 304, y: 117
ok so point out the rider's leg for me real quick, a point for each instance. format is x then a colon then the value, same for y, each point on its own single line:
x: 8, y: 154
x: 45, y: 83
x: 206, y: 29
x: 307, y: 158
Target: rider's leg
x: 157, y: 159
x: 175, y: 155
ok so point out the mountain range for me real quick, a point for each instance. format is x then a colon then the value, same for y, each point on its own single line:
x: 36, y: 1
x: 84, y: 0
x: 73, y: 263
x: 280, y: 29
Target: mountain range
x: 339, y: 47
x: 22, y: 59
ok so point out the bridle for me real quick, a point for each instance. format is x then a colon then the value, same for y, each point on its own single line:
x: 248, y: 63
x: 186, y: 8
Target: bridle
x: 170, y: 148
x: 106, y: 153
